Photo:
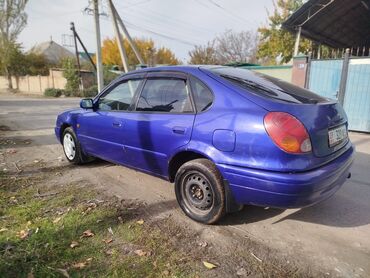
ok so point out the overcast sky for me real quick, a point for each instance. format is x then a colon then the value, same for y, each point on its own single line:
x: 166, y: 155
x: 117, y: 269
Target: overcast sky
x: 176, y: 24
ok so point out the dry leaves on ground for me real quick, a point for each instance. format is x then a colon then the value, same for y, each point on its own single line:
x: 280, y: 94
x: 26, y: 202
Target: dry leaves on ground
x: 140, y: 222
x: 87, y: 233
x: 209, y: 265
x: 74, y: 244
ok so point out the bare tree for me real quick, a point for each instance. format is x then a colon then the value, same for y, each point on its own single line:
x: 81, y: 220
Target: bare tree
x: 227, y: 48
x: 204, y: 55
x: 236, y: 47
x: 12, y: 21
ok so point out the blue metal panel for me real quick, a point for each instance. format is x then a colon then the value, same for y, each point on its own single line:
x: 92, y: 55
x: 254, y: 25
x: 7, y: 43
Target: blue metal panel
x: 357, y: 96
x: 325, y: 77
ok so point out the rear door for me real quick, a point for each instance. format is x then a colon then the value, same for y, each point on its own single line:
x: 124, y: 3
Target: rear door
x: 162, y: 122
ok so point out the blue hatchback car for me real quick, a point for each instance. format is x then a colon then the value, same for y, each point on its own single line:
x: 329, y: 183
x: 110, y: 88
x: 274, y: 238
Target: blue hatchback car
x: 225, y: 136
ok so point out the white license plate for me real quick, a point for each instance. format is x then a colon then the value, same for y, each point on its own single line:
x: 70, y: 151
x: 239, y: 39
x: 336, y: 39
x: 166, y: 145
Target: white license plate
x: 337, y: 135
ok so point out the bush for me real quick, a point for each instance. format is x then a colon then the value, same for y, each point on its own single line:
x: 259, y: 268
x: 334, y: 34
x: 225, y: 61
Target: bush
x: 51, y: 92
x: 68, y: 93
x: 90, y: 92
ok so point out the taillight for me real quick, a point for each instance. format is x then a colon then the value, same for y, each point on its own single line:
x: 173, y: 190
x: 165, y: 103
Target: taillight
x: 287, y: 132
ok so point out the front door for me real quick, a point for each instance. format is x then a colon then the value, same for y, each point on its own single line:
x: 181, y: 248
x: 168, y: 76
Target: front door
x: 162, y: 122
x: 101, y: 132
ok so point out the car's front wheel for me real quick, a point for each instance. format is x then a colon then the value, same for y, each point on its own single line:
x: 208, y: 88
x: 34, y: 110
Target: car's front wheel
x: 200, y: 192
x: 72, y: 148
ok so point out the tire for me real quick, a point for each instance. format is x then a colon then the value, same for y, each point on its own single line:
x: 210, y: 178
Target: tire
x: 200, y: 192
x: 72, y: 149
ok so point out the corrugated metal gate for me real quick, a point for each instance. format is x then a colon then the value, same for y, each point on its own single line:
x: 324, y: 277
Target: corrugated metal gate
x: 325, y: 79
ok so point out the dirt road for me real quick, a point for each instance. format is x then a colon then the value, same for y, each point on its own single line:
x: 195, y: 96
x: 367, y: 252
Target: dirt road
x: 332, y: 237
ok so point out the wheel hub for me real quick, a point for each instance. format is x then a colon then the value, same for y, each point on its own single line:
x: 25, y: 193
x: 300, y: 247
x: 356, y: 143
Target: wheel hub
x: 198, y: 192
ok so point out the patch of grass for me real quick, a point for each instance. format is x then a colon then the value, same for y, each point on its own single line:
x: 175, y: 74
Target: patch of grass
x: 50, y: 219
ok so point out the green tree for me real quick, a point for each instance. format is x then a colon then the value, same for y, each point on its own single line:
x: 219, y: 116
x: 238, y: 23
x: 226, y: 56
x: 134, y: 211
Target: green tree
x: 276, y: 42
x: 70, y: 73
x: 36, y: 64
x: 12, y: 21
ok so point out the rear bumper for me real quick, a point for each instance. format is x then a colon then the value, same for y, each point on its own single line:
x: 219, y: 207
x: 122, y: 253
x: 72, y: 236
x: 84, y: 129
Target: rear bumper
x: 287, y: 190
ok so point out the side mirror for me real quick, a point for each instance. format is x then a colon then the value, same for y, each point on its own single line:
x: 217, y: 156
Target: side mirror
x: 87, y: 103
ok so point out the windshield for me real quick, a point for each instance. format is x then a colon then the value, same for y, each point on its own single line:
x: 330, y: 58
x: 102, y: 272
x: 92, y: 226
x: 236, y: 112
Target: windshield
x: 267, y: 86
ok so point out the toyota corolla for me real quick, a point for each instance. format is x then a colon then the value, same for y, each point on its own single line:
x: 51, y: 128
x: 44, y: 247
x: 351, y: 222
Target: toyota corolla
x: 225, y: 136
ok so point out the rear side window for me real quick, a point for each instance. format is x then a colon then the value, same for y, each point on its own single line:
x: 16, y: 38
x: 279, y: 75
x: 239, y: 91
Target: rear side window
x: 267, y: 86
x: 203, y: 97
x: 164, y: 95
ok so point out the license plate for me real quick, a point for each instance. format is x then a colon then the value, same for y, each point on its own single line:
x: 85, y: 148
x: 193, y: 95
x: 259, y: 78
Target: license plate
x: 337, y: 135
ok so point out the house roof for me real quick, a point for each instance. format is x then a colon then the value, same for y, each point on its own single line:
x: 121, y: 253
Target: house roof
x: 336, y: 23
x: 52, y: 51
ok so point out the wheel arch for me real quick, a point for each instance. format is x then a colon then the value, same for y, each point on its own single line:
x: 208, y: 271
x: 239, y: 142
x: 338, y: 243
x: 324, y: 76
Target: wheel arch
x: 180, y: 158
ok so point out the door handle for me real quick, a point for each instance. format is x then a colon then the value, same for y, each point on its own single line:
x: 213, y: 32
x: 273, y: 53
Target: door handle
x: 117, y: 124
x: 179, y: 130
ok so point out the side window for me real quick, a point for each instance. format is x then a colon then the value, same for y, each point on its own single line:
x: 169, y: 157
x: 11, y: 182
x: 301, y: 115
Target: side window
x: 120, y: 97
x: 203, y: 97
x: 165, y: 95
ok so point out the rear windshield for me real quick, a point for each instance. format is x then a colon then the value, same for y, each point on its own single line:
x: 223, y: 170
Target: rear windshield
x: 267, y: 86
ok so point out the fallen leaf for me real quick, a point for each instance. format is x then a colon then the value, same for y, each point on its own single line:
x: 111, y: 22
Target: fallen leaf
x: 37, y: 230
x: 56, y: 220
x: 140, y: 222
x: 209, y: 265
x: 79, y: 265
x: 142, y: 253
x: 120, y: 219
x: 107, y: 241
x: 109, y: 252
x: 203, y: 244
x: 110, y: 230
x: 3, y: 230
x: 23, y: 234
x: 74, y: 244
x: 12, y: 151
x: 166, y: 272
x: 89, y: 259
x: 87, y: 233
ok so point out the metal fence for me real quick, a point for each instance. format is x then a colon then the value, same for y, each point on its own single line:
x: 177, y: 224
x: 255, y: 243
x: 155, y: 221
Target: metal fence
x: 347, y: 80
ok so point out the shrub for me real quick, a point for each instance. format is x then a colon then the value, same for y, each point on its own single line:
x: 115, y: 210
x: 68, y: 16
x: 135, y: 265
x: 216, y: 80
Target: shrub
x: 51, y: 92
x: 70, y: 73
x: 90, y: 92
x: 68, y: 93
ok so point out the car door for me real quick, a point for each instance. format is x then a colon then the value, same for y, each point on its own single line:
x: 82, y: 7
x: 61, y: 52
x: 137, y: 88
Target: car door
x: 162, y: 122
x: 101, y: 131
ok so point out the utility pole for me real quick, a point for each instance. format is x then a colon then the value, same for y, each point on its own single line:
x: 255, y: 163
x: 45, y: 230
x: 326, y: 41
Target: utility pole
x: 121, y: 47
x: 127, y: 35
x: 77, y: 56
x: 297, y: 40
x: 99, y: 64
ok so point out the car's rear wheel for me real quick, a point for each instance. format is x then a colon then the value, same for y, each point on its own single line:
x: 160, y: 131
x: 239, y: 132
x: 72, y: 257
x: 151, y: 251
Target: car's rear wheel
x: 200, y: 192
x: 72, y: 148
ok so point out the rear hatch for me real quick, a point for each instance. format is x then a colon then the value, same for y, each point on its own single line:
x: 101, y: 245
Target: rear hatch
x: 324, y: 119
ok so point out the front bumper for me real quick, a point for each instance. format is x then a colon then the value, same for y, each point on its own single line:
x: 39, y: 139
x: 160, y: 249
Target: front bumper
x: 287, y: 190
x: 57, y: 133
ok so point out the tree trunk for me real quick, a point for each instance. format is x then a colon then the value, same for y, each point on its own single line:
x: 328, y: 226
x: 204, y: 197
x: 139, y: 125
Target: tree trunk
x: 10, y: 83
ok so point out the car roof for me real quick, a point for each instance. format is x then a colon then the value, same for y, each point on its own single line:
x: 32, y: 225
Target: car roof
x: 186, y: 69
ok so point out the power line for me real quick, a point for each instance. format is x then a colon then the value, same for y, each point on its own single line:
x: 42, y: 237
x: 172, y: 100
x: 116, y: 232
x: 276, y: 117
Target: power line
x: 134, y: 26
